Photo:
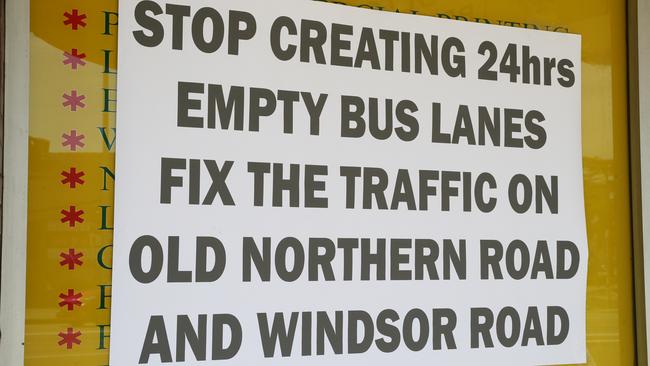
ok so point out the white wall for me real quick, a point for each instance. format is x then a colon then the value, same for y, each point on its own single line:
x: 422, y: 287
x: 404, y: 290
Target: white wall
x: 12, y: 300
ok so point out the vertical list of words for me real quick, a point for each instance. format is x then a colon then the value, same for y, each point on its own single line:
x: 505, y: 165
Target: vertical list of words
x: 71, y: 172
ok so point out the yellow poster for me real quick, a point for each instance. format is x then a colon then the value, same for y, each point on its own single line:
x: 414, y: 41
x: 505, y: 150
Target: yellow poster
x: 71, y: 145
x: 72, y: 142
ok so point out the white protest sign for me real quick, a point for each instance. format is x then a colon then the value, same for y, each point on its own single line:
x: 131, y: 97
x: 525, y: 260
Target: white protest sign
x: 299, y: 183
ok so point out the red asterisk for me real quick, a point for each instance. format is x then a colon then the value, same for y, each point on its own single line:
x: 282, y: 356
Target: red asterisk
x: 73, y: 140
x: 72, y: 216
x: 74, y: 59
x: 73, y: 100
x: 75, y: 19
x: 70, y: 299
x: 72, y: 177
x: 71, y: 258
x: 69, y: 338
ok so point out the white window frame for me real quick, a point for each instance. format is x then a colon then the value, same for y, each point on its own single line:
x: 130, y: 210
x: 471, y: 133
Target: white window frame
x: 14, y: 194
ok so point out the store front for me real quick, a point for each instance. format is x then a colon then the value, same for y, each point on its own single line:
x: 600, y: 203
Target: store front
x: 60, y: 146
